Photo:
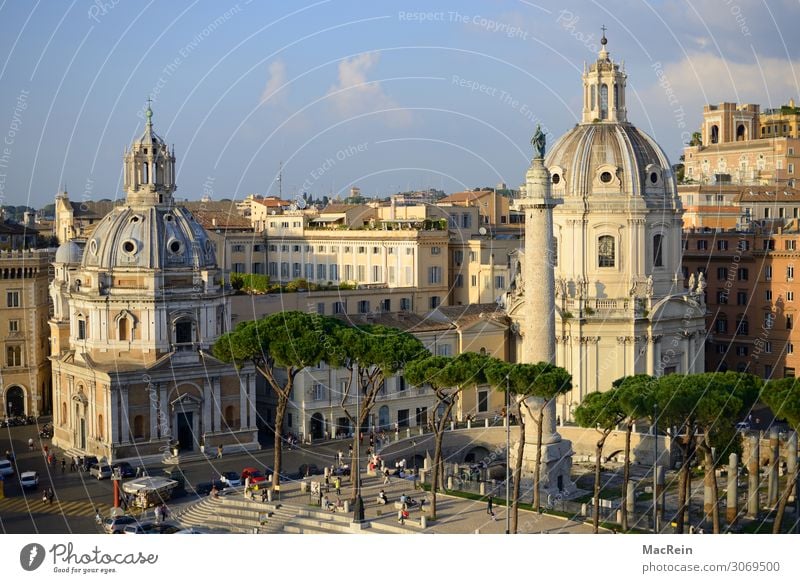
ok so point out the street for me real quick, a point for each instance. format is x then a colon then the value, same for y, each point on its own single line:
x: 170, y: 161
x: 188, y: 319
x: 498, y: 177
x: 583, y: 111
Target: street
x: 78, y: 495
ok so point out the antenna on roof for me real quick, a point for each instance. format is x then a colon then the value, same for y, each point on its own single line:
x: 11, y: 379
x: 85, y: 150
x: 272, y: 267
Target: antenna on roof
x: 280, y: 179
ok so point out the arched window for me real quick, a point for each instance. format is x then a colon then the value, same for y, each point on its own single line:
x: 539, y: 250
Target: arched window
x: 606, y: 256
x: 183, y: 331
x: 616, y: 95
x: 742, y: 325
x: 138, y: 427
x: 603, y: 101
x: 658, y: 254
x: 145, y: 173
x: 592, y: 90
x: 100, y: 427
x: 715, y: 134
x: 63, y: 419
x: 741, y: 133
x: 229, y: 420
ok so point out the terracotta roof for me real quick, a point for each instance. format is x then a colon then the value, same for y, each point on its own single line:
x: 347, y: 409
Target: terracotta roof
x: 339, y: 208
x: 406, y: 321
x: 773, y: 194
x: 468, y: 196
x: 93, y: 209
x: 9, y: 228
x: 273, y: 202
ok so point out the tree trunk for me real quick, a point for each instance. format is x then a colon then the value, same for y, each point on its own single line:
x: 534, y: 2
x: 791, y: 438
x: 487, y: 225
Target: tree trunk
x: 537, y: 498
x: 682, y: 484
x: 597, y: 465
x: 784, y: 500
x: 280, y: 412
x: 626, y: 476
x: 517, y: 470
x: 710, y: 480
x: 438, y: 466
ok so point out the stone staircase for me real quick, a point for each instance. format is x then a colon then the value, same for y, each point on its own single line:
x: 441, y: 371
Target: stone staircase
x: 232, y: 513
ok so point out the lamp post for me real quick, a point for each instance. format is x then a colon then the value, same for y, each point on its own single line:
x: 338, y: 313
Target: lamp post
x: 414, y: 445
x: 508, y: 455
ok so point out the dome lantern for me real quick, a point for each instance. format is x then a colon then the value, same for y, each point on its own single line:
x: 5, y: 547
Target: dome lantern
x: 604, y: 89
x: 149, y: 168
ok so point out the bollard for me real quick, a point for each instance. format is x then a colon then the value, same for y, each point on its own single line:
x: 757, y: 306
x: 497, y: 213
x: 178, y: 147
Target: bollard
x: 408, y: 432
x: 486, y: 423
x: 269, y: 494
x: 423, y: 521
x: 346, y: 506
x: 753, y: 502
x: 505, y: 421
x: 584, y: 509
x: 483, y: 489
x: 421, y: 430
x: 422, y: 475
x: 452, y: 425
x: 732, y: 509
x: 469, y: 423
x: 619, y: 516
x: 449, y: 482
x: 774, y: 460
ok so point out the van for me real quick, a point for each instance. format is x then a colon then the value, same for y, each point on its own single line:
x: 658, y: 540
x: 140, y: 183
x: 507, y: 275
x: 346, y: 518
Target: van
x: 6, y: 468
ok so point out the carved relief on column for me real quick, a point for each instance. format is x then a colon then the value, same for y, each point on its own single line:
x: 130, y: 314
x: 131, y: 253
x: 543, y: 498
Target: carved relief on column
x: 589, y: 339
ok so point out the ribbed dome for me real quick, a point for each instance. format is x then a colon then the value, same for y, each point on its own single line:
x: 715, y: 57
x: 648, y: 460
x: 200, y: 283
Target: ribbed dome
x: 150, y: 237
x: 69, y: 253
x: 607, y: 158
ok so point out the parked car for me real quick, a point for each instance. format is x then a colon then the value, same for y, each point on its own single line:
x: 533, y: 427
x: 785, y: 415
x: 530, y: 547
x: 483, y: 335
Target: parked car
x: 100, y: 471
x: 231, y: 478
x: 29, y: 480
x: 6, y: 468
x: 117, y: 525
x: 308, y: 470
x: 88, y: 461
x: 204, y: 488
x: 256, y: 476
x: 125, y: 469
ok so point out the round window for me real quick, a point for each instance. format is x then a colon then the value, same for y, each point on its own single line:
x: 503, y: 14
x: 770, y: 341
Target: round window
x: 653, y: 177
x: 168, y: 218
x: 174, y: 246
x: 134, y: 219
x: 605, y: 177
x: 556, y: 178
x: 93, y: 246
x: 129, y: 247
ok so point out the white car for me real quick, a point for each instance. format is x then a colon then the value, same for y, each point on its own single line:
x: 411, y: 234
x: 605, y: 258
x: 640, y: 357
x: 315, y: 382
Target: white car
x: 29, y: 480
x: 231, y: 478
x: 6, y: 468
x: 101, y: 471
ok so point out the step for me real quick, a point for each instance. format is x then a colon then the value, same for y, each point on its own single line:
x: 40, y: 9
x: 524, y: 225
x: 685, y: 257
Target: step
x: 293, y: 529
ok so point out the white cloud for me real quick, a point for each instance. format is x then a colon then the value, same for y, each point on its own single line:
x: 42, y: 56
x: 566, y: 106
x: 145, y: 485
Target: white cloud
x: 276, y: 80
x: 353, y: 94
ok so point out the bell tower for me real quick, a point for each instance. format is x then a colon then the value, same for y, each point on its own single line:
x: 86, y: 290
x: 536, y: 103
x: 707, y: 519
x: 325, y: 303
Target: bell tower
x: 604, y: 88
x: 149, y: 169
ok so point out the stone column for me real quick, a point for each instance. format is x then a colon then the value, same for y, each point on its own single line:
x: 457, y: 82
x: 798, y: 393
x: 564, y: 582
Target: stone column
x: 732, y: 509
x: 774, y: 460
x: 125, y: 414
x: 752, y: 476
x: 630, y: 501
x: 164, y: 424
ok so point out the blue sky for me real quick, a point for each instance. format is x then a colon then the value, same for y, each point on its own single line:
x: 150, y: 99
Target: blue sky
x: 384, y: 96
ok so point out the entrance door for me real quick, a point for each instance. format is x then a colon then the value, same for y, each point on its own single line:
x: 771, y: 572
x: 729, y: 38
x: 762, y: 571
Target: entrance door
x: 83, y: 433
x: 422, y: 415
x: 185, y: 431
x: 15, y: 402
x: 383, y: 417
x: 317, y: 426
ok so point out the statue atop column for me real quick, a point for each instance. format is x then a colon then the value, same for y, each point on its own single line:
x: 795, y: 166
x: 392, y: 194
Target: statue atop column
x: 538, y: 142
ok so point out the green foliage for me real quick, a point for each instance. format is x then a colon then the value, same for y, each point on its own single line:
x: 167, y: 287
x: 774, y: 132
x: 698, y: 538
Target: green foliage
x: 297, y: 284
x: 376, y: 348
x: 636, y: 395
x: 290, y: 339
x: 542, y: 379
x: 430, y: 370
x: 783, y: 397
x: 602, y: 410
x: 250, y: 282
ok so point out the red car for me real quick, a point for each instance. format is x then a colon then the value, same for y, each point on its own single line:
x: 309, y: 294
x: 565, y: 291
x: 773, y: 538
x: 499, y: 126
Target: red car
x: 256, y: 476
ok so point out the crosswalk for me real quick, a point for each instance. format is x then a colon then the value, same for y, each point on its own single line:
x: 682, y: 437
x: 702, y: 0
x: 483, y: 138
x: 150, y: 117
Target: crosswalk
x: 34, y: 505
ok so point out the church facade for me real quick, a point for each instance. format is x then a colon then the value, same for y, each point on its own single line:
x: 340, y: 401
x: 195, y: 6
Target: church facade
x: 136, y: 311
x: 621, y: 306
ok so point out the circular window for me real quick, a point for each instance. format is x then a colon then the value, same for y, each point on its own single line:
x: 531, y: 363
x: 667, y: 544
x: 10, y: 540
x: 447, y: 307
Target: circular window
x: 93, y: 246
x: 556, y: 178
x: 129, y: 247
x: 174, y: 246
x: 134, y: 219
x: 653, y: 177
x: 605, y: 177
x: 169, y: 218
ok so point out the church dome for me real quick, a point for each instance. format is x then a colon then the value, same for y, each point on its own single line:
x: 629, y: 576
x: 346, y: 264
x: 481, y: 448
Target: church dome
x: 607, y: 158
x: 68, y: 253
x: 149, y: 237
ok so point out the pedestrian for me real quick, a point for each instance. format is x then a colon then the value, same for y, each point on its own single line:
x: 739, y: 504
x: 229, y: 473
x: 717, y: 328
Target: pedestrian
x: 219, y: 451
x: 350, y: 451
x: 165, y: 512
x: 50, y: 496
x: 327, y: 483
x: 385, y: 477
x: 158, y: 514
x: 30, y: 444
x: 339, y: 455
x: 337, y: 483
x: 489, y: 505
x: 73, y: 467
x: 63, y: 465
x: 138, y: 471
x: 401, y: 515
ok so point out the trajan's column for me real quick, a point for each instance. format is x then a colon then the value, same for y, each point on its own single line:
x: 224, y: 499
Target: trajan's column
x: 538, y: 322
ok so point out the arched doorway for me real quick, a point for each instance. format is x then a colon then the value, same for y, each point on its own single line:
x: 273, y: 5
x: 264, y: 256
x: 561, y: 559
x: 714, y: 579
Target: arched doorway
x: 317, y: 429
x: 383, y: 417
x: 15, y: 401
x: 741, y: 133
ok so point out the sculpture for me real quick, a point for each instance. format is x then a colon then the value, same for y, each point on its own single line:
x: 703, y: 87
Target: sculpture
x: 649, y: 286
x: 691, y: 283
x: 701, y: 283
x: 538, y: 142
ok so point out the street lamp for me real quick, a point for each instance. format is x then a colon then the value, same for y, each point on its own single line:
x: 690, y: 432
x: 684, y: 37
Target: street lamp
x: 655, y: 468
x: 414, y: 445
